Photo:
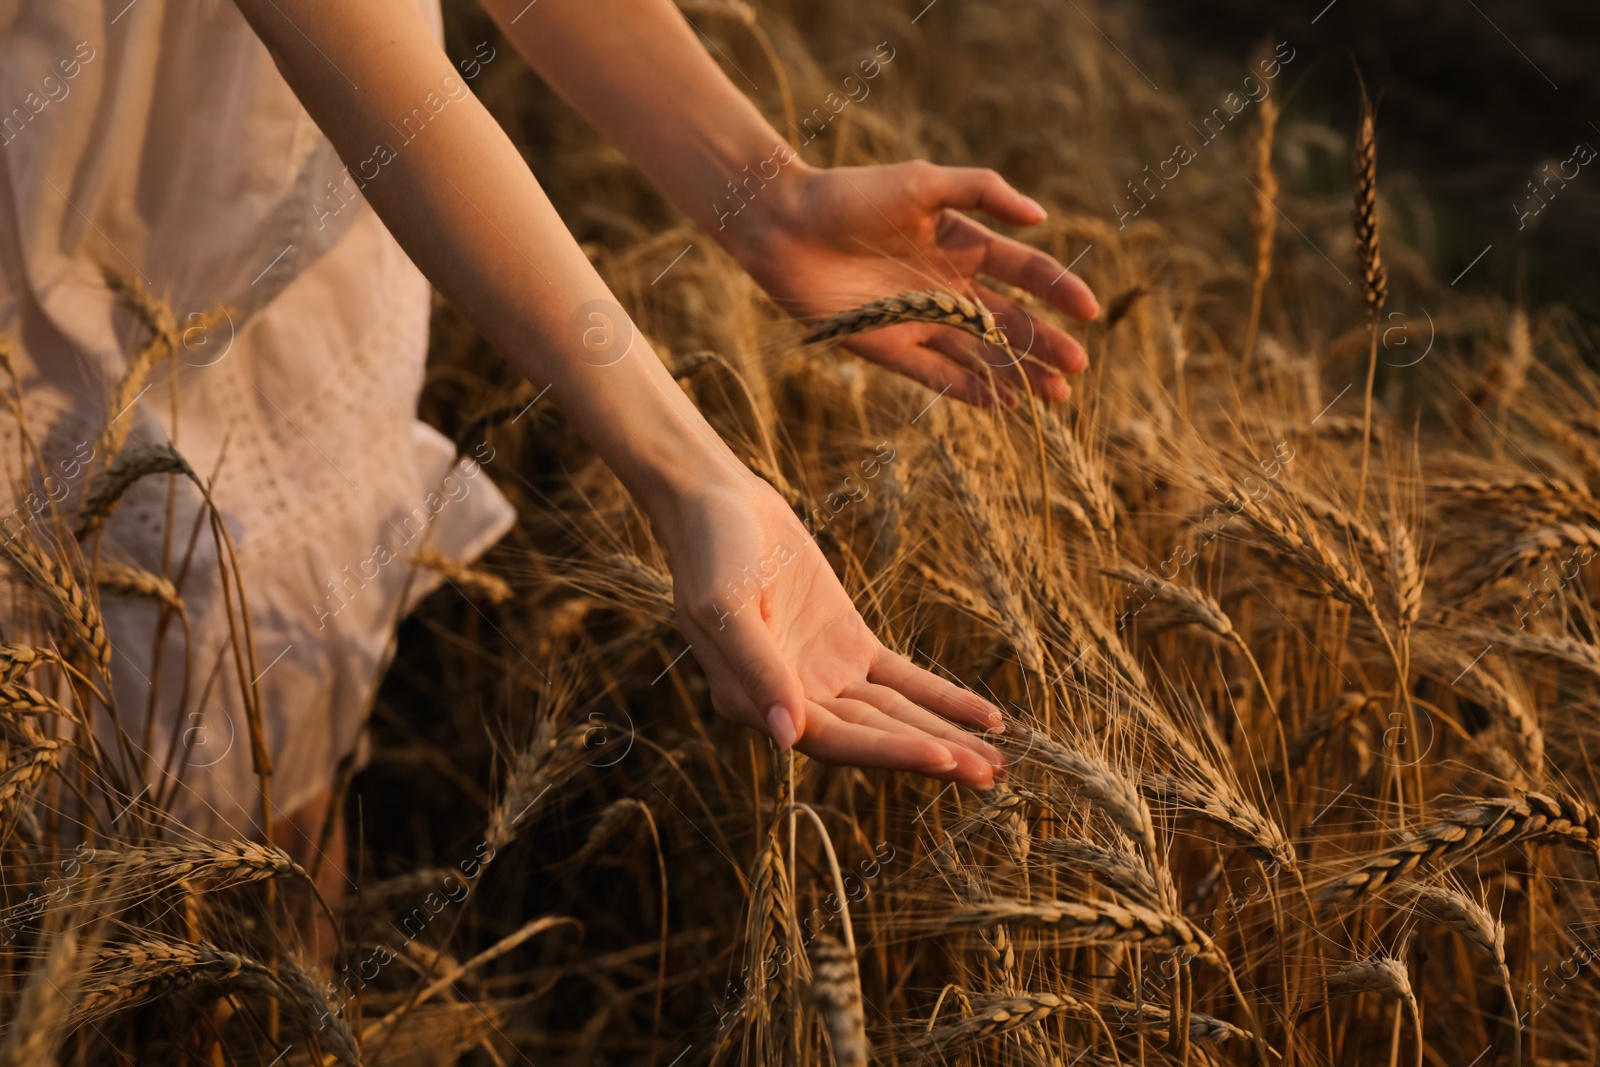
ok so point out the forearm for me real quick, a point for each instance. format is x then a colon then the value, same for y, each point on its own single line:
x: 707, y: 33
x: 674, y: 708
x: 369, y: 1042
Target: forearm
x: 639, y: 72
x: 457, y: 195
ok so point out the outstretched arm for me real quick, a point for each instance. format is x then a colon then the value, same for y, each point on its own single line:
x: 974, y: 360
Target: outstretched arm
x: 818, y: 240
x: 800, y: 663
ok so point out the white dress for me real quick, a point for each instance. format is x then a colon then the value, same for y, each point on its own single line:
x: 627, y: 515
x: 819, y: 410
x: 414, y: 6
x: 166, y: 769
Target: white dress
x: 157, y: 138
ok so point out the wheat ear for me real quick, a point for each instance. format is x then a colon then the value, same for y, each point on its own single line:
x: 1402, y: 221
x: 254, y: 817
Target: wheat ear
x: 1466, y: 831
x: 78, y: 612
x: 1263, y: 215
x: 119, y: 475
x: 932, y: 305
x: 468, y: 579
x: 836, y: 994
x: 1374, y: 279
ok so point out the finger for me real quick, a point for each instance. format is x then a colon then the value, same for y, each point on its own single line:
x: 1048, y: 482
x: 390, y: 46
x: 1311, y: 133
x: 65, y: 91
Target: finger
x: 934, y: 693
x: 768, y: 681
x: 970, y: 768
x: 1027, y: 268
x: 836, y: 740
x: 1032, y: 336
x: 981, y: 189
x: 895, y: 705
x: 928, y: 367
x: 1046, y: 382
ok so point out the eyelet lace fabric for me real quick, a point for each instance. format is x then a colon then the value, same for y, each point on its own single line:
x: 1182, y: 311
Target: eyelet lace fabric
x: 160, y: 142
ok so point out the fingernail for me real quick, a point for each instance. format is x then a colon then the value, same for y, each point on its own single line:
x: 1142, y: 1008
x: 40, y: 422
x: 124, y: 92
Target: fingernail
x: 1037, y: 207
x: 937, y: 767
x: 997, y: 723
x: 780, y: 727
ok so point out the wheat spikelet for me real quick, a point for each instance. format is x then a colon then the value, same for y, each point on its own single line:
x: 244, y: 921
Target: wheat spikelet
x: 1243, y: 823
x: 1117, y: 871
x: 1201, y: 1027
x: 530, y: 777
x: 836, y: 994
x: 1099, y: 922
x: 1540, y: 545
x: 960, y: 595
x: 1381, y: 974
x: 969, y: 889
x: 79, y: 614
x: 211, y: 865
x: 40, y: 1022
x: 124, y: 581
x: 1569, y: 650
x: 24, y: 768
x: 1365, y: 537
x: 1534, y: 493
x: 125, y: 469
x: 148, y: 308
x: 1521, y: 718
x: 1189, y: 605
x: 996, y: 1015
x: 615, y: 816
x: 629, y: 582
x: 1110, y: 791
x: 475, y: 430
x: 1405, y: 574
x: 769, y: 937
x: 1008, y: 613
x: 889, y: 517
x: 468, y: 579
x: 23, y: 700
x: 1374, y: 279
x: 1578, y: 446
x: 693, y: 363
x: 1263, y: 215
x: 933, y: 305
x: 1301, y: 545
x: 1470, y: 830
x: 775, y: 478
x: 1120, y: 305
x: 1507, y: 373
x: 18, y: 660
x: 1325, y: 723
x: 137, y: 972
x: 1451, y: 908
x: 164, y: 341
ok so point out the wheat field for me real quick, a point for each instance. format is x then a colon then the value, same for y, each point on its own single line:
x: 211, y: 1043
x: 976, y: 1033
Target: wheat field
x: 1288, y: 609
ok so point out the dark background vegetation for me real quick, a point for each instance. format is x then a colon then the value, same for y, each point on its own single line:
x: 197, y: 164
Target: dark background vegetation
x: 1475, y: 97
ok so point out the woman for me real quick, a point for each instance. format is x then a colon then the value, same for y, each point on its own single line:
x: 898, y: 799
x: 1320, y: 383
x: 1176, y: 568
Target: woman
x: 159, y: 139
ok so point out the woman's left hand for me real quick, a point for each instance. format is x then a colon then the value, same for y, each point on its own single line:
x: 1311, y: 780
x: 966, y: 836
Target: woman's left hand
x: 822, y: 241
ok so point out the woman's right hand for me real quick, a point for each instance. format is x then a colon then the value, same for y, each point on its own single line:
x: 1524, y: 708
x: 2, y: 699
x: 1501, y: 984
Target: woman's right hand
x: 786, y: 652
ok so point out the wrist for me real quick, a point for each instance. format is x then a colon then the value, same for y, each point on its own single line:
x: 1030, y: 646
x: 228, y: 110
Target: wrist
x: 761, y: 203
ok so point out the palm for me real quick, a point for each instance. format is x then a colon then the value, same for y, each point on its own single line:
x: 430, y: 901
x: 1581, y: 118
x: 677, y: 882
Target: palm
x: 780, y: 630
x: 849, y: 235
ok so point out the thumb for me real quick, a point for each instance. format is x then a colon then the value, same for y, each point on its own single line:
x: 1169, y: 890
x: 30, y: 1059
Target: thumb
x: 768, y: 680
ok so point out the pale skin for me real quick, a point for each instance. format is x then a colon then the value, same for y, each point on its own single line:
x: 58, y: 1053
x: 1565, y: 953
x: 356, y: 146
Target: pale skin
x: 804, y: 669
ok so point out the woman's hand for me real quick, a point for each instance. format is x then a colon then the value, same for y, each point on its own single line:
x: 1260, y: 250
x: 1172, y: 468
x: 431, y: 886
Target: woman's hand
x: 821, y: 241
x: 786, y: 652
